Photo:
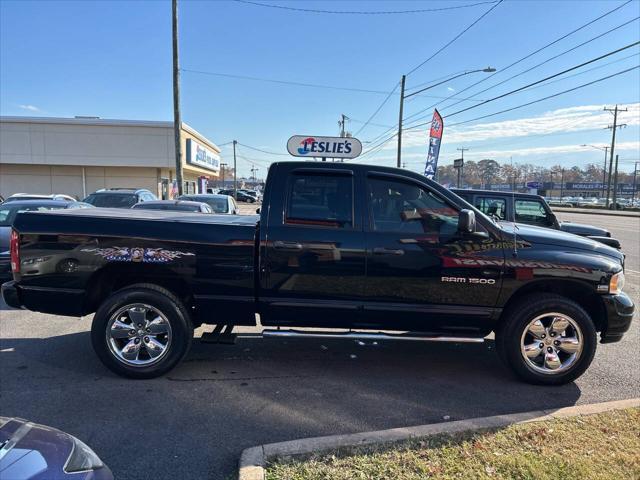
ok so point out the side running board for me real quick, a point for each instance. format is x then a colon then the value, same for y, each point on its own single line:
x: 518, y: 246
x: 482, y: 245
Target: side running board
x: 267, y: 333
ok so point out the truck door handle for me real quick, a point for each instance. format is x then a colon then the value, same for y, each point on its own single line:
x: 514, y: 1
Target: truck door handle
x: 387, y: 251
x: 281, y: 245
x: 491, y: 273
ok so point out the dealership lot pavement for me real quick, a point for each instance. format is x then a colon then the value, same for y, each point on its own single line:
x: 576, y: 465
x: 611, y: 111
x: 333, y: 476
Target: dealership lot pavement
x: 194, y: 422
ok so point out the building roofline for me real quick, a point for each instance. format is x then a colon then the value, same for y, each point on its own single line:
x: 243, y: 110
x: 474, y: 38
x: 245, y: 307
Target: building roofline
x: 111, y: 122
x: 87, y: 121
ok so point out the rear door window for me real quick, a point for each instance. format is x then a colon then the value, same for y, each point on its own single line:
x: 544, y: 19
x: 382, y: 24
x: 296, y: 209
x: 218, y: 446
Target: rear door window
x: 492, y: 206
x: 323, y: 200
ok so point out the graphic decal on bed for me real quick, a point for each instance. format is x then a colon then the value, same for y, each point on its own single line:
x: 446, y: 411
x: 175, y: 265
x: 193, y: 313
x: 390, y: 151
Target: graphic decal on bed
x: 137, y: 254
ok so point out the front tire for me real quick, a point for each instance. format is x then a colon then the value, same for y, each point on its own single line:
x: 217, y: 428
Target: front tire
x: 142, y: 331
x: 547, y: 339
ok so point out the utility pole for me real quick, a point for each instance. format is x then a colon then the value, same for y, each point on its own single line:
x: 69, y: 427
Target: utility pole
x: 615, y: 185
x: 604, y: 169
x: 635, y: 175
x: 561, y: 184
x: 342, y: 123
x: 177, y: 121
x: 461, y: 169
x: 253, y: 173
x: 222, y: 165
x: 402, y: 81
x: 613, y: 143
x: 235, y: 173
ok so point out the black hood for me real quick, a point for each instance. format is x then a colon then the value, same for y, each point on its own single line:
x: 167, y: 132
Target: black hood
x: 582, y: 229
x: 548, y: 236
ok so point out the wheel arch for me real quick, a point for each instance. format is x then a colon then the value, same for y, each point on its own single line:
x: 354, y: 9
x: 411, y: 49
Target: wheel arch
x: 114, y: 277
x: 574, y: 290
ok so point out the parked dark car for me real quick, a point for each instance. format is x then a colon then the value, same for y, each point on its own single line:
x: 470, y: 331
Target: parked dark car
x: 174, y: 205
x: 218, y: 203
x: 337, y: 246
x: 8, y: 212
x: 119, y: 197
x: 29, y: 451
x: 240, y: 195
x: 532, y: 210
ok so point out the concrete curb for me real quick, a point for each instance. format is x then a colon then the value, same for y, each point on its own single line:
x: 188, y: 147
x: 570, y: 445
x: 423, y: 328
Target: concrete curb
x: 254, y: 460
x: 595, y: 211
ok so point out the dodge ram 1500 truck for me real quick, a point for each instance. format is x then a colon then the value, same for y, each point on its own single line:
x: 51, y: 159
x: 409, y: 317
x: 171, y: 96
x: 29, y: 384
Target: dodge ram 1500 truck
x: 358, y: 250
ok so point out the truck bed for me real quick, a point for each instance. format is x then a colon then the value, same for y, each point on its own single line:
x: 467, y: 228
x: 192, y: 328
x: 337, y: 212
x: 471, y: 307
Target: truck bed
x: 213, y: 257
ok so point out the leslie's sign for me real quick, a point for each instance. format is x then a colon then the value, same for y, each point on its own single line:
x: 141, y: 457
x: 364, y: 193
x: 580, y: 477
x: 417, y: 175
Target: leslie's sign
x: 326, y: 147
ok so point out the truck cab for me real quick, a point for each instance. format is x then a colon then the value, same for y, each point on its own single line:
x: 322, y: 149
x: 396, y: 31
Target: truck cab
x: 529, y: 209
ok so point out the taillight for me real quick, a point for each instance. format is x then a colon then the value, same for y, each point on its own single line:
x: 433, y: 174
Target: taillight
x: 14, y: 247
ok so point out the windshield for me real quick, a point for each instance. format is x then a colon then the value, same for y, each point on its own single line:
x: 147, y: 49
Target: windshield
x: 8, y: 212
x: 217, y: 204
x: 111, y: 200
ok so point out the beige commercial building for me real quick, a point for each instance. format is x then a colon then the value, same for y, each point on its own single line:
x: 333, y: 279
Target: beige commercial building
x: 78, y: 156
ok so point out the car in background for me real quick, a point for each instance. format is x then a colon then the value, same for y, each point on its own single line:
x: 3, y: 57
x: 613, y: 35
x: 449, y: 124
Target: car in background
x: 8, y: 212
x: 530, y: 209
x: 32, y: 451
x: 220, y: 204
x: 241, y: 196
x: 588, y: 202
x: 119, y: 197
x: 174, y: 206
x: 252, y: 193
x: 36, y: 196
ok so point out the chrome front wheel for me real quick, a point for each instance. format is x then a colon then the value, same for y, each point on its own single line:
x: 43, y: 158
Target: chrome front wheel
x: 552, y: 343
x: 138, y: 335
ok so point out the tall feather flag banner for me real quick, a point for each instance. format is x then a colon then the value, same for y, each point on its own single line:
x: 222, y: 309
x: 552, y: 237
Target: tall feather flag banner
x: 435, y: 138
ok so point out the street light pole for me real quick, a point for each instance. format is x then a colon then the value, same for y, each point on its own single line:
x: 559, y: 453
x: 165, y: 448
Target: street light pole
x: 222, y: 165
x: 604, y: 168
x: 235, y: 173
x: 403, y: 96
x: 635, y: 174
x: 402, y: 81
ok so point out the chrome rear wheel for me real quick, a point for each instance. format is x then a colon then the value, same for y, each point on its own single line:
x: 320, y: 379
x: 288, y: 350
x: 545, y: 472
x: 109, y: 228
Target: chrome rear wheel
x: 138, y: 335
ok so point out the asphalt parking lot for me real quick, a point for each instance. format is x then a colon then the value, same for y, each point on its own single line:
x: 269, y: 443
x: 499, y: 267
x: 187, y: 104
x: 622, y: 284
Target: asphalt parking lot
x: 194, y: 422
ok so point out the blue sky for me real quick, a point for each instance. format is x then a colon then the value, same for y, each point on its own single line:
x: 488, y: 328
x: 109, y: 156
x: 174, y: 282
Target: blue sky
x: 113, y: 59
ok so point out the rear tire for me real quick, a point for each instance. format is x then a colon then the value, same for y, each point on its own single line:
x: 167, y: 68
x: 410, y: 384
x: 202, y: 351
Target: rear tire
x: 547, y: 339
x: 141, y: 331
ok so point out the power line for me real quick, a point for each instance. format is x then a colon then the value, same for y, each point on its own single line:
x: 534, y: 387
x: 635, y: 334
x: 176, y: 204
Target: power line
x: 613, y: 52
x: 522, y: 59
x: 544, y: 98
x: 456, y: 37
x: 551, y: 58
x: 263, y: 151
x: 306, y: 85
x: 362, y: 12
x: 377, y: 110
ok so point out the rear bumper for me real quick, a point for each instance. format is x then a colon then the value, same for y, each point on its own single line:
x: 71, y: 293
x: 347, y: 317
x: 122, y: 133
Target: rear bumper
x: 5, y: 269
x: 56, y: 301
x: 619, y: 310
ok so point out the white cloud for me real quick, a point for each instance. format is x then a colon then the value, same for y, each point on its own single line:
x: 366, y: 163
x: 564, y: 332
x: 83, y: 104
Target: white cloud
x: 31, y: 108
x: 571, y: 119
x: 554, y: 150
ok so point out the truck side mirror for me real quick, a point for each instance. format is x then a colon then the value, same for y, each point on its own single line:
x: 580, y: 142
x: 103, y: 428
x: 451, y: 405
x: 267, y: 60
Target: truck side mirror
x: 466, y: 221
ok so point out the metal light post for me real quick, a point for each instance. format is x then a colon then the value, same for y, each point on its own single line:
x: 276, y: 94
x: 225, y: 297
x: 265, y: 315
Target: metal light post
x: 222, y: 165
x: 403, y: 96
x: 604, y: 168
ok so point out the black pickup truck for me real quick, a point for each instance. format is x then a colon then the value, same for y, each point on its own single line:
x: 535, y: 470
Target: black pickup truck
x: 353, y: 249
x: 532, y: 210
